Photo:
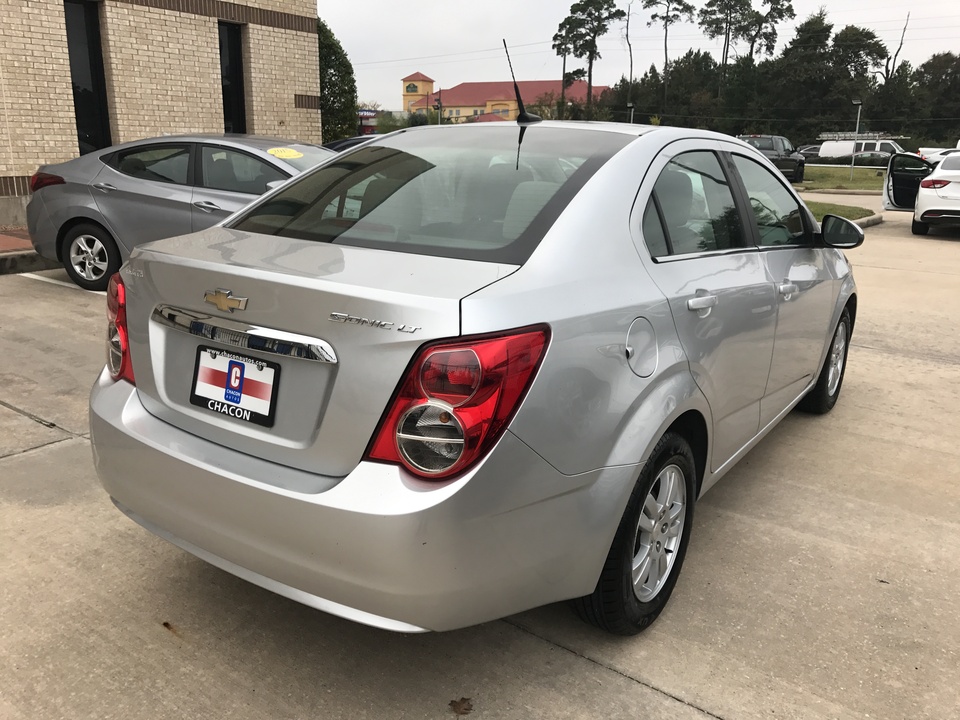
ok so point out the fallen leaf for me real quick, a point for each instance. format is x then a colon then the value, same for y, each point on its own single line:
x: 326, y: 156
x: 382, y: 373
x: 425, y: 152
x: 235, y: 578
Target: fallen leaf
x: 463, y: 706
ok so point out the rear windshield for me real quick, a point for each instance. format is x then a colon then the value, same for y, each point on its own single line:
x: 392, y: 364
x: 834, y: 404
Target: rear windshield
x: 760, y: 143
x: 951, y: 162
x: 471, y: 193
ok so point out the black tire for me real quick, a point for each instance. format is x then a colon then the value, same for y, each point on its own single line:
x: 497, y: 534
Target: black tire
x: 89, y: 255
x: 919, y: 228
x: 614, y: 606
x: 798, y: 173
x: 821, y: 399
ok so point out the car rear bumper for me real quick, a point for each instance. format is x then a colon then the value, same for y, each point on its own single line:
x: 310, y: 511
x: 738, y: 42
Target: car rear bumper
x: 43, y: 234
x: 941, y: 217
x: 380, y: 547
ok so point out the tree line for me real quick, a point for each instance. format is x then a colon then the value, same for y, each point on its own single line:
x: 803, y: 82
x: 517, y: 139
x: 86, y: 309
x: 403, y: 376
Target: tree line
x: 809, y: 87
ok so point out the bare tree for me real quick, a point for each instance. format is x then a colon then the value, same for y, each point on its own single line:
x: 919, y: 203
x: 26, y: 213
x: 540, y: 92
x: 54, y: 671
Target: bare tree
x: 667, y: 13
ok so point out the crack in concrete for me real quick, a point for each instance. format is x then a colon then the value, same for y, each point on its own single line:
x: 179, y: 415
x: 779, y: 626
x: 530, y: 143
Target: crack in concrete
x: 15, y: 453
x: 37, y: 419
x: 612, y: 669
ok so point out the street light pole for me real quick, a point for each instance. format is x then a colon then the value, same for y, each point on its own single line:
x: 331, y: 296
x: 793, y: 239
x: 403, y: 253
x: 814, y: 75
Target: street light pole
x: 630, y: 105
x: 856, y: 135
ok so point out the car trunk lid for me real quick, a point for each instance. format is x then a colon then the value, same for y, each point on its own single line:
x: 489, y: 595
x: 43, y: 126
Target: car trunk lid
x: 324, y: 333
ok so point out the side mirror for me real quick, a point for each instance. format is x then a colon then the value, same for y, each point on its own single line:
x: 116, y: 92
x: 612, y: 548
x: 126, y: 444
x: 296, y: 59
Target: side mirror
x: 839, y: 232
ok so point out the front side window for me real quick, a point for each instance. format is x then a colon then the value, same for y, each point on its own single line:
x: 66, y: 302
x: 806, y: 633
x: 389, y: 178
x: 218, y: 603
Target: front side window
x: 484, y: 193
x: 160, y: 163
x: 224, y: 169
x: 778, y: 215
x: 696, y: 206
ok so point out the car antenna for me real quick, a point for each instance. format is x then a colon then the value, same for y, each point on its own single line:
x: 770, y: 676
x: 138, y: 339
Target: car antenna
x: 524, y: 117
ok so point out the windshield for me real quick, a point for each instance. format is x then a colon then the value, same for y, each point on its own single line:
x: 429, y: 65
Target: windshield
x: 467, y: 193
x: 303, y: 157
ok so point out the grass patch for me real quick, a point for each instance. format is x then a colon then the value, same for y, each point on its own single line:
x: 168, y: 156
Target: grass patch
x: 838, y: 178
x: 846, y: 211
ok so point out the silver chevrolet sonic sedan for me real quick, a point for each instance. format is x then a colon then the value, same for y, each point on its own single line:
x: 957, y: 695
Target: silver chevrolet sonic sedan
x: 460, y: 372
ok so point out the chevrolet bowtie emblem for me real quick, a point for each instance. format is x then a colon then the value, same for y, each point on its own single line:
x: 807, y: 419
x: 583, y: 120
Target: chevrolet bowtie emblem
x: 224, y: 300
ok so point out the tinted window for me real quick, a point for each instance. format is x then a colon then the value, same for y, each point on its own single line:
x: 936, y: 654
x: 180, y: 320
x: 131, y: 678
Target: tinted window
x: 888, y: 147
x: 160, y: 163
x: 787, y: 147
x: 223, y: 169
x: 778, y: 215
x: 697, y: 205
x: 473, y: 193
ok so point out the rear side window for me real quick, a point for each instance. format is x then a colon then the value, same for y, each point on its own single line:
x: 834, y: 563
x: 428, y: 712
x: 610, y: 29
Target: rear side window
x: 159, y: 163
x: 471, y: 193
x: 694, y: 201
x: 760, y: 143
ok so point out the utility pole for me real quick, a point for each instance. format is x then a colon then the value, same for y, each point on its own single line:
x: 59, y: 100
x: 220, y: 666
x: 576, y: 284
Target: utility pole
x: 853, y: 157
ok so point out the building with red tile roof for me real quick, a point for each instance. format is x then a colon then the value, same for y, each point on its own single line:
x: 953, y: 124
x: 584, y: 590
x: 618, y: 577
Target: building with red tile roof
x: 486, y: 99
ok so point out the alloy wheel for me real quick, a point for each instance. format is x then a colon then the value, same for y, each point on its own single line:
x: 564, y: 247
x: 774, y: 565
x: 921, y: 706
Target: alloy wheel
x: 88, y: 257
x: 658, y: 534
x: 838, y: 355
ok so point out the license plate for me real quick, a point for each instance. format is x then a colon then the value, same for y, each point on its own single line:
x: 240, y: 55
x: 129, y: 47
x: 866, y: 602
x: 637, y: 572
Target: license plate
x: 236, y: 386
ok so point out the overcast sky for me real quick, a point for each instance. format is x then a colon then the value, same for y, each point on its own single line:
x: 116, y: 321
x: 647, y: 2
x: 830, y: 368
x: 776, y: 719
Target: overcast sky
x: 454, y: 42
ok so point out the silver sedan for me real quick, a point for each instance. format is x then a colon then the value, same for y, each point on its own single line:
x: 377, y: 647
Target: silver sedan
x: 460, y: 372
x: 89, y: 213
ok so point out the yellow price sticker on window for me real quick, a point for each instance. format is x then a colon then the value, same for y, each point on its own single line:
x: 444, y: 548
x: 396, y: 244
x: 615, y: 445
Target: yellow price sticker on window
x: 285, y: 153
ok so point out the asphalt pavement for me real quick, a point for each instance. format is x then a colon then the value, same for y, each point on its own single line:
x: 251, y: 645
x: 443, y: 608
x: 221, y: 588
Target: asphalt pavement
x: 822, y: 579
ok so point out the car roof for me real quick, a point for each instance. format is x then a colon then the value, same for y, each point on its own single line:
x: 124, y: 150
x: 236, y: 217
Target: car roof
x: 257, y: 142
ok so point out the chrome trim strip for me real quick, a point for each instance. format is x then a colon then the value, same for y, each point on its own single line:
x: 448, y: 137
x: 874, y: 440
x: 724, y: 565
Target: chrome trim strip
x: 705, y: 253
x: 244, y: 335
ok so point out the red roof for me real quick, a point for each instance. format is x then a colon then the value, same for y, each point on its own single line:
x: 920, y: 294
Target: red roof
x: 418, y: 76
x: 476, y: 94
x: 489, y: 117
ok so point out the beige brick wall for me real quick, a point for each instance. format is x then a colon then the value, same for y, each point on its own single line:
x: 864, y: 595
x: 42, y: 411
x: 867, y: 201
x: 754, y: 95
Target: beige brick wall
x: 281, y: 64
x: 306, y: 8
x: 162, y: 70
x: 37, y: 123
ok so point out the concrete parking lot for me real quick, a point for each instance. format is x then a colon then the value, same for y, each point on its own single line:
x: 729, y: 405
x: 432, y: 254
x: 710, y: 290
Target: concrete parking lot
x: 822, y: 580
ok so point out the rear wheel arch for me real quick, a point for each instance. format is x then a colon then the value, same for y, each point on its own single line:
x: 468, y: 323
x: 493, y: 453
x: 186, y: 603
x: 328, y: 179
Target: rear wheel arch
x: 692, y: 426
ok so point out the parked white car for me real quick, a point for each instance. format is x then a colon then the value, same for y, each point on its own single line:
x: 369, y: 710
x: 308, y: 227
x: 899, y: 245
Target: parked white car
x: 846, y: 148
x: 931, y: 190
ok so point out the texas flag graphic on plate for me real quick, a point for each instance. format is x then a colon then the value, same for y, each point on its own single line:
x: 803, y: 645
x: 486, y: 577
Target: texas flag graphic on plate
x: 234, y: 385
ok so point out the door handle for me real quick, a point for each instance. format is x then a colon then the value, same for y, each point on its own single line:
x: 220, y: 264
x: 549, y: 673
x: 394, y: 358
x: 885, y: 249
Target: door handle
x: 104, y: 187
x: 788, y: 288
x: 206, y: 205
x: 701, y: 302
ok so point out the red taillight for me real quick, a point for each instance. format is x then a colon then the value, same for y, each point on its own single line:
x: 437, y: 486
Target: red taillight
x: 455, y: 401
x: 934, y: 184
x: 118, y: 342
x: 42, y: 179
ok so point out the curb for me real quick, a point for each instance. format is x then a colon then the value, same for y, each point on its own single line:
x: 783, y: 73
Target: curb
x: 25, y: 261
x: 869, y: 221
x: 841, y: 192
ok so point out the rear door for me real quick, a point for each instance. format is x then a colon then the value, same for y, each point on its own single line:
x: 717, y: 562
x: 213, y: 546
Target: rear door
x: 720, y: 294
x: 227, y: 180
x: 144, y: 192
x: 905, y: 172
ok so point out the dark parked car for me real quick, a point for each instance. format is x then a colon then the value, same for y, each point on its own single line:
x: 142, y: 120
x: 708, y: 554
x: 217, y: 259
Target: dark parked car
x: 346, y: 143
x: 781, y: 153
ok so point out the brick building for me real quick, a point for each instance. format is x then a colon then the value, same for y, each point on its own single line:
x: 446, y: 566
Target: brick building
x: 80, y: 75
